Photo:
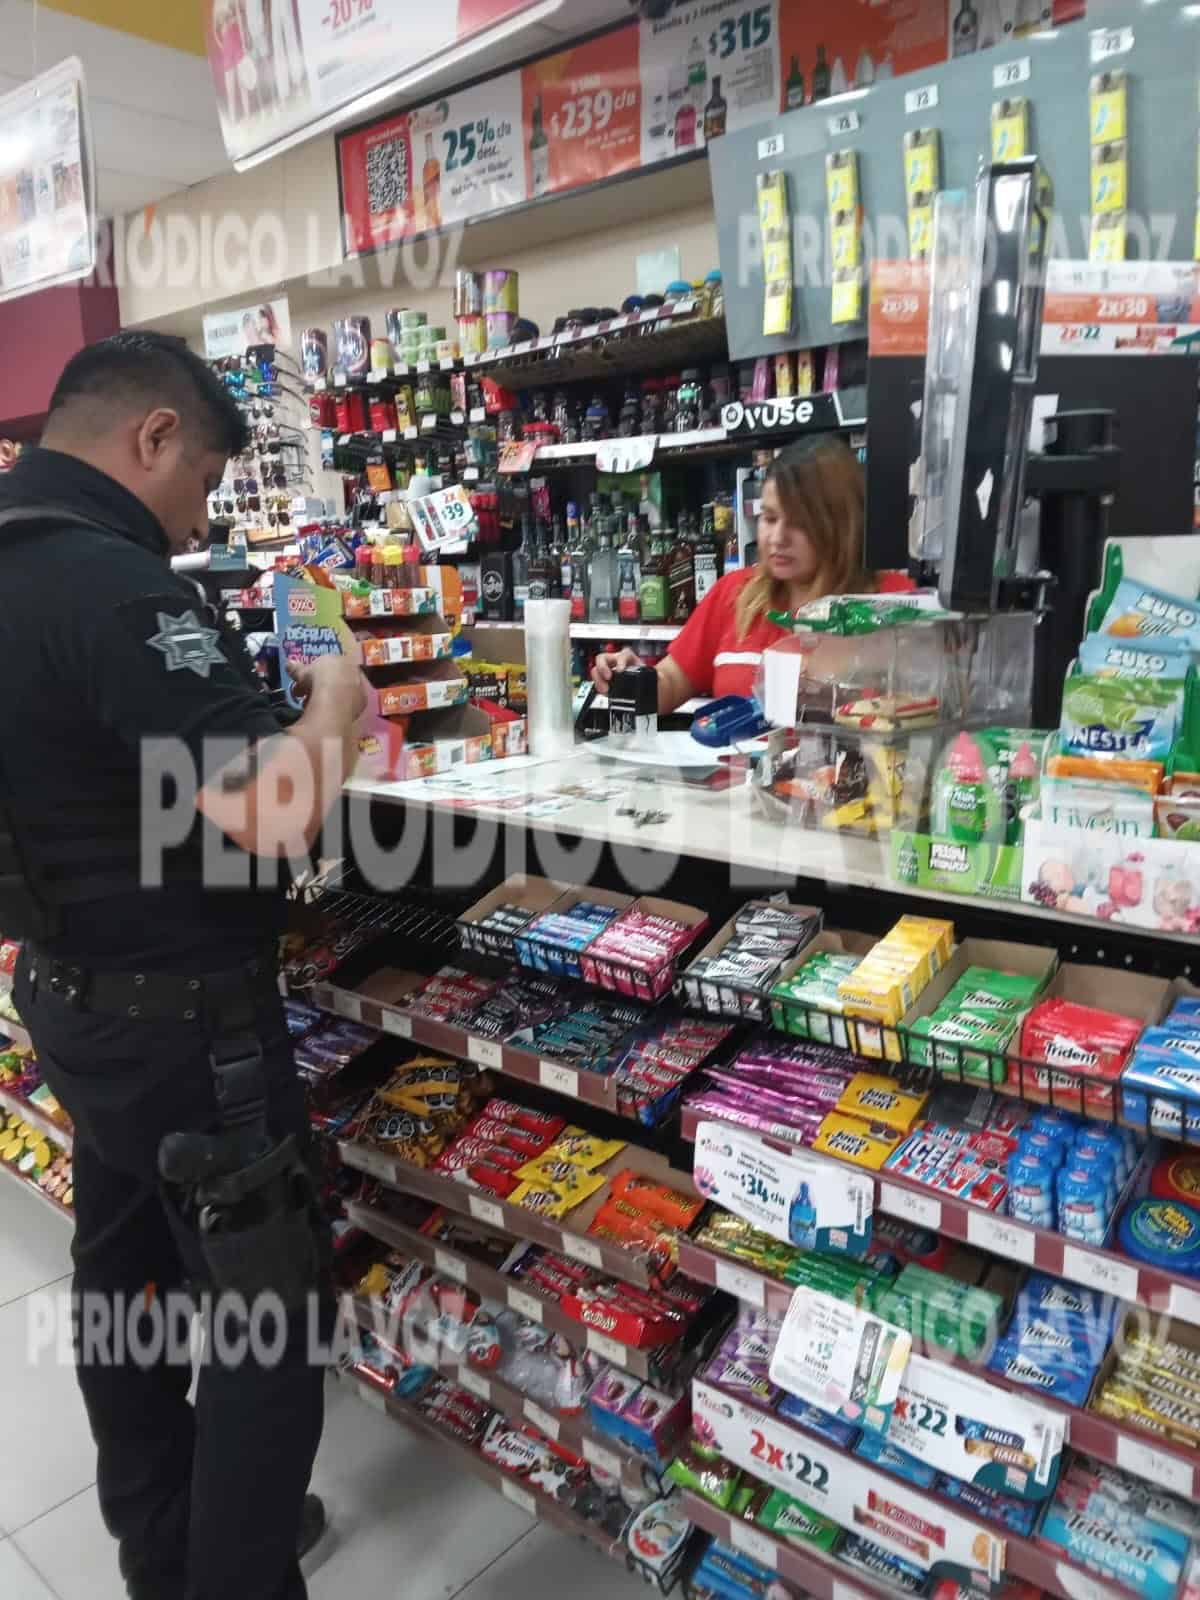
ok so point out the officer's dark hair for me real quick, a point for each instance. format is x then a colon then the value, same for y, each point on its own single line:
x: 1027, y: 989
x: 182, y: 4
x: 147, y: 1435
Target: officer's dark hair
x: 152, y: 369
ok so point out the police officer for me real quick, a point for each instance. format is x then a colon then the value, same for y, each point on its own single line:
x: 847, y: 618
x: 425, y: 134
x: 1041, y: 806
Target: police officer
x: 137, y: 765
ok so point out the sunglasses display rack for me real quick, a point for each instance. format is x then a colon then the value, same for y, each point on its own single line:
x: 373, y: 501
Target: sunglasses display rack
x: 268, y: 490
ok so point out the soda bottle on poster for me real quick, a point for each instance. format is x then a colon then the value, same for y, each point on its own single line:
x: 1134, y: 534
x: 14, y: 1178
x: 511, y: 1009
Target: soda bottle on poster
x: 431, y: 185
x: 697, y: 63
x: 715, y: 112
x: 795, y: 86
x: 991, y: 24
x: 1028, y: 18
x: 539, y: 151
x: 966, y: 30
x: 820, y: 77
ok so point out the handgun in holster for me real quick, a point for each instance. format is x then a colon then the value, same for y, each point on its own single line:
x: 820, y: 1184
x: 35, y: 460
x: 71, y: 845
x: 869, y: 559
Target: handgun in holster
x: 249, y: 1198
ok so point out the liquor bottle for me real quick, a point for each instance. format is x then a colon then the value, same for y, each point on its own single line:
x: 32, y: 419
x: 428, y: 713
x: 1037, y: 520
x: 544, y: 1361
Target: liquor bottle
x: 579, y: 566
x: 543, y: 576
x: 628, y: 574
x: 681, y: 575
x: 561, y: 550
x: 820, y: 77
x: 708, y: 555
x: 715, y: 112
x: 431, y: 185
x: 966, y: 30
x: 795, y: 86
x: 520, y: 571
x: 653, y: 587
x: 495, y: 586
x: 539, y: 151
x: 602, y: 578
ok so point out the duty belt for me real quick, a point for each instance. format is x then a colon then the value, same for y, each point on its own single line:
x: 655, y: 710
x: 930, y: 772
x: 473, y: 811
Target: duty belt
x: 225, y: 1003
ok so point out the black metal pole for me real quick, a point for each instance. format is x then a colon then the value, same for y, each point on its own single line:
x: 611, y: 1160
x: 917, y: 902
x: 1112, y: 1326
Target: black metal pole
x: 1076, y: 479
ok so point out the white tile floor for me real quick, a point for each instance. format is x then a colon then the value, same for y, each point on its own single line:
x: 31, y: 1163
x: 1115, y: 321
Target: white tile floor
x: 405, y: 1523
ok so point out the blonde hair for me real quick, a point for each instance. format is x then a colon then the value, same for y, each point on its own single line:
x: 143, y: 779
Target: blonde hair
x: 821, y: 489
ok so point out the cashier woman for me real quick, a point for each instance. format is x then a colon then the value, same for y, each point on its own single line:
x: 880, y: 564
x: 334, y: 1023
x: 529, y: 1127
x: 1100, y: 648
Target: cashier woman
x: 810, y: 545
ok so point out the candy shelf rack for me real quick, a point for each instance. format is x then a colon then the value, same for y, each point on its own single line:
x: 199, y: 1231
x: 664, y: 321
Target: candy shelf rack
x: 443, y: 1190
x: 493, y: 1285
x: 573, y: 1432
x: 532, y: 1501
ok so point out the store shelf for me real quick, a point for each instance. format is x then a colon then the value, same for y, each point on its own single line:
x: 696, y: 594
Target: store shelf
x: 521, y: 1223
x: 823, y: 413
x: 532, y: 1501
x: 914, y: 1203
x: 494, y: 1285
x: 820, y: 1577
x: 1018, y: 1557
x: 626, y: 630
x: 18, y: 1106
x: 590, y: 1088
x: 15, y: 1034
x: 1170, y: 1466
x: 31, y: 1188
x: 573, y: 1432
x: 727, y: 828
x: 636, y: 342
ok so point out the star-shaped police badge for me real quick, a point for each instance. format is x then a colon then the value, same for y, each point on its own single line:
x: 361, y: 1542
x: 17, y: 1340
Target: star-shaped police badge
x: 186, y: 644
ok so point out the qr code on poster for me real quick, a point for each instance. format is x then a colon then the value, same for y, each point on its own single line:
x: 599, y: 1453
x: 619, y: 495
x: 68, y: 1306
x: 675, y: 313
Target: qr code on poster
x: 387, y: 176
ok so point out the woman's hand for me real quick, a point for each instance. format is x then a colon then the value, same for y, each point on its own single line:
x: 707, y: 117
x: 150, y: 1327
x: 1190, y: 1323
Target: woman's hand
x: 607, y: 663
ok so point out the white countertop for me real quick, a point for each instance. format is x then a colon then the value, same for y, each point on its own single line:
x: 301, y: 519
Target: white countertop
x: 722, y: 827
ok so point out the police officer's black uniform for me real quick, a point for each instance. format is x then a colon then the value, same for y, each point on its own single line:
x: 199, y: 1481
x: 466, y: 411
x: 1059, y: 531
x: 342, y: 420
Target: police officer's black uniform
x: 103, y: 646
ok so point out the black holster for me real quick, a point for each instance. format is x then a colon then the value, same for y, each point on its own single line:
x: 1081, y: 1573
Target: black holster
x: 250, y: 1200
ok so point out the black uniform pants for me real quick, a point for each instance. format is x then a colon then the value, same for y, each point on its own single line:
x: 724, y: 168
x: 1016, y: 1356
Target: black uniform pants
x: 205, y: 1501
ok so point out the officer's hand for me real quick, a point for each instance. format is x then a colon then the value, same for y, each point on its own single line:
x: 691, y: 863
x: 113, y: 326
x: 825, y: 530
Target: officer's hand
x: 335, y: 679
x: 606, y: 664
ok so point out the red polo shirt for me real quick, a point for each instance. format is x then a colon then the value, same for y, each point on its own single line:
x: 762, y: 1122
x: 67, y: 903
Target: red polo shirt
x: 716, y: 659
x: 710, y: 651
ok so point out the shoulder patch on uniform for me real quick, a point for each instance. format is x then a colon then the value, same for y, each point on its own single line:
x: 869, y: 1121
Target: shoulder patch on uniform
x: 186, y: 644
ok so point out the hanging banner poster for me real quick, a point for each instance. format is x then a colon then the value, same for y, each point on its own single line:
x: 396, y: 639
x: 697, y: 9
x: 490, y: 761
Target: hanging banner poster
x: 280, y: 67
x: 582, y: 115
x: 467, y: 151
x: 47, y: 195
x: 983, y: 24
x: 375, y: 169
x: 1090, y: 308
x: 707, y: 69
x: 829, y: 50
x: 232, y: 333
